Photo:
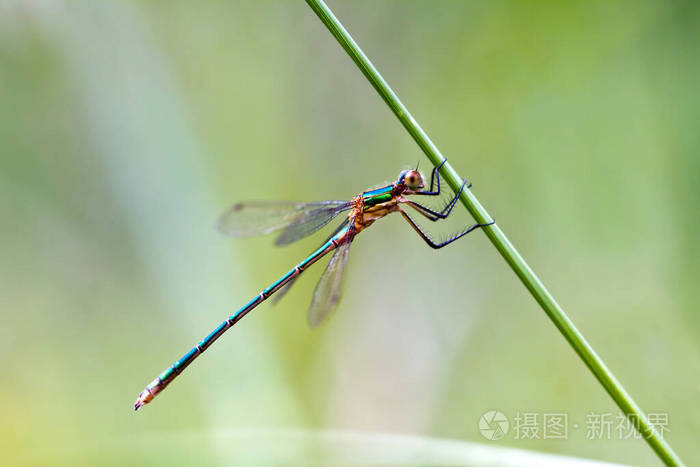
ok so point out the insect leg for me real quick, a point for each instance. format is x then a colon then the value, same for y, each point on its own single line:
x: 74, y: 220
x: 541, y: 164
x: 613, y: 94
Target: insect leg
x: 434, y: 215
x: 430, y: 241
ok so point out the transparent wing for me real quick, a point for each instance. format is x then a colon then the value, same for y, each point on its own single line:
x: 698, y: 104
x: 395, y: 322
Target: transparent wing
x: 308, y: 222
x: 262, y: 217
x: 327, y: 292
x: 283, y: 291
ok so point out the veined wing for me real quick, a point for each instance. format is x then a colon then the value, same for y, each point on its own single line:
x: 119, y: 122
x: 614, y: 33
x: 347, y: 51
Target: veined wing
x: 283, y: 291
x: 327, y: 292
x: 309, y: 222
x: 262, y: 217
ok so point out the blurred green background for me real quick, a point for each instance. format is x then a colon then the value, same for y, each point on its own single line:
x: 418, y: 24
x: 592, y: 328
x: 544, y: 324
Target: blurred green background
x: 126, y: 127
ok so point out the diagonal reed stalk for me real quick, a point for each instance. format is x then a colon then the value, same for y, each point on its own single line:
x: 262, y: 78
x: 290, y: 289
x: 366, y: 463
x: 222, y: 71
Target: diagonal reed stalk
x: 624, y: 401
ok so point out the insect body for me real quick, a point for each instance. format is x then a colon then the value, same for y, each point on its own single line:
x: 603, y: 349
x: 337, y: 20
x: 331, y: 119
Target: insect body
x: 297, y: 220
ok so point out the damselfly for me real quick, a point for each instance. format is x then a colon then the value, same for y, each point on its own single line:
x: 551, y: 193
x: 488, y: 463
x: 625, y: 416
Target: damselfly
x: 297, y: 220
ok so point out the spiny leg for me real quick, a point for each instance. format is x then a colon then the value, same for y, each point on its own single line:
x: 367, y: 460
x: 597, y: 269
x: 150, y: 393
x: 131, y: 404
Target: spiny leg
x: 425, y: 212
x: 435, y: 175
x: 434, y: 215
x: 430, y: 241
x: 454, y: 200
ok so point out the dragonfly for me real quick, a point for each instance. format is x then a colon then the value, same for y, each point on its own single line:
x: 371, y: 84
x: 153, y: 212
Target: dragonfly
x: 298, y: 220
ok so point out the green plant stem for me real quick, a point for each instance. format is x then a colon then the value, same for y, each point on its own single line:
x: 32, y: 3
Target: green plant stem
x: 500, y: 241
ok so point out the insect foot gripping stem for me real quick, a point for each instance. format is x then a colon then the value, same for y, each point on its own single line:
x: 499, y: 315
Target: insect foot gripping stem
x: 148, y: 394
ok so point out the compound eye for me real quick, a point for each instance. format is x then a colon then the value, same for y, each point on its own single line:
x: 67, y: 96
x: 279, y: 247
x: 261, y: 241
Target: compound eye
x: 414, y: 180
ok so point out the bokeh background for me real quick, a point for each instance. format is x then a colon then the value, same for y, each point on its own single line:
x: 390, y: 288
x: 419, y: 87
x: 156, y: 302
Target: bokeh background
x: 126, y: 127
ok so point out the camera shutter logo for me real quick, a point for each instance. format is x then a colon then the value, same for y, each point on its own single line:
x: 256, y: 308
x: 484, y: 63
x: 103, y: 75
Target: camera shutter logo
x: 493, y: 425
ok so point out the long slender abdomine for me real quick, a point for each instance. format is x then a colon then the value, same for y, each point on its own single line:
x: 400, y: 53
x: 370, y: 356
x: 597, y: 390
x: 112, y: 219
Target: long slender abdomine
x: 165, y: 378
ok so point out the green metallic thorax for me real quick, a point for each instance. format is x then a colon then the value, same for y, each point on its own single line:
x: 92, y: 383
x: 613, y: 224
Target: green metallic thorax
x: 378, y: 196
